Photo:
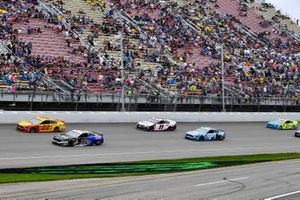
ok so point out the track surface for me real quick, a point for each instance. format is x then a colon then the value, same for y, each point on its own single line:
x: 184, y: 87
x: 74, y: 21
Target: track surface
x: 249, y: 182
x: 124, y: 143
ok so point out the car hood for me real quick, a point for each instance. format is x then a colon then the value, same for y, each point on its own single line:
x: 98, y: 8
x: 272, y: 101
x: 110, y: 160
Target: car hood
x: 63, y: 136
x: 25, y: 123
x: 146, y: 123
x: 274, y: 122
x: 195, y: 133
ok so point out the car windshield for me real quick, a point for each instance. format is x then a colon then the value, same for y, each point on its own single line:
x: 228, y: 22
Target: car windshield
x: 35, y: 121
x: 73, y: 133
x: 153, y: 120
x: 279, y: 120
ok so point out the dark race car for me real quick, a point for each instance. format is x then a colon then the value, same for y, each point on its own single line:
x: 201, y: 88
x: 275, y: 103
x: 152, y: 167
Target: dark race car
x: 78, y: 138
x: 297, y: 133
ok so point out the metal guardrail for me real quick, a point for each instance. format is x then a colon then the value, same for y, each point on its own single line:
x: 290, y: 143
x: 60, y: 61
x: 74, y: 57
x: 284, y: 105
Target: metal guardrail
x: 105, y: 97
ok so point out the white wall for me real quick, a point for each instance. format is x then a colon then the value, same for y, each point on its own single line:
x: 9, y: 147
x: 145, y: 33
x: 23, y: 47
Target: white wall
x: 11, y: 117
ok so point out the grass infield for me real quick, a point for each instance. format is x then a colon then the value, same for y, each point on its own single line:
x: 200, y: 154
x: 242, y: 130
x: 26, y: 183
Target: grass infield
x: 134, y: 168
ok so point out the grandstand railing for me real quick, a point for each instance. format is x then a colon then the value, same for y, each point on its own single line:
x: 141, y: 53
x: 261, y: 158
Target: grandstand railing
x: 45, y: 79
x: 133, y: 99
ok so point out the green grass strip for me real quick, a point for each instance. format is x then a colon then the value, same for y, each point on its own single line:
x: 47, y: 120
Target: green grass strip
x: 134, y: 168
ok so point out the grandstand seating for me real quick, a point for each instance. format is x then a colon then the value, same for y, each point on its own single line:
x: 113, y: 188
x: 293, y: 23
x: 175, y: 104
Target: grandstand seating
x: 170, y: 45
x: 49, y: 42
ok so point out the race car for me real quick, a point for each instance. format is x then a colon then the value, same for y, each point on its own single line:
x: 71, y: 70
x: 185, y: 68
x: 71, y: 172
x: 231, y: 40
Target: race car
x: 78, y: 138
x: 157, y: 124
x: 297, y: 133
x: 282, y: 124
x: 205, y: 134
x: 41, y: 124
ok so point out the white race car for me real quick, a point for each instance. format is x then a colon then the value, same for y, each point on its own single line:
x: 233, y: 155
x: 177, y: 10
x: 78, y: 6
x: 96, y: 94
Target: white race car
x: 157, y: 124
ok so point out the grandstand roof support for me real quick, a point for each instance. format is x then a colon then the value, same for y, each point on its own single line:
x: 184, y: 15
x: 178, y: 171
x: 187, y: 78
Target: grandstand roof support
x: 223, y: 81
x: 122, y: 73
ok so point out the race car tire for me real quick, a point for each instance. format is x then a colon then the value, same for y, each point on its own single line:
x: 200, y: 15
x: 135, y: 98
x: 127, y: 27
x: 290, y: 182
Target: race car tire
x: 280, y: 127
x: 201, y: 138
x: 71, y: 143
x: 56, y: 129
x: 294, y: 128
x: 96, y: 142
x: 151, y: 128
x: 32, y: 130
x: 171, y: 128
x: 221, y: 137
x: 84, y: 141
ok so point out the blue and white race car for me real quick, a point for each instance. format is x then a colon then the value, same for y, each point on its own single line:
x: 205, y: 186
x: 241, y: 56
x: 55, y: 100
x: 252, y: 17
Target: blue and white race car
x: 206, y: 134
x: 78, y: 138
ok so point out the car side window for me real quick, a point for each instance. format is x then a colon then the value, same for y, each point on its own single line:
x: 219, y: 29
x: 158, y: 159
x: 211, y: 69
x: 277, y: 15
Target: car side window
x: 45, y: 122
x: 161, y: 122
x: 52, y: 122
x: 83, y: 135
x: 288, y: 122
x: 210, y: 131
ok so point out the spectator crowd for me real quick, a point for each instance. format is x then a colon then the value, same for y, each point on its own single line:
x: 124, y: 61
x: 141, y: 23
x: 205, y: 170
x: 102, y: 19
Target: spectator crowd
x: 184, y: 40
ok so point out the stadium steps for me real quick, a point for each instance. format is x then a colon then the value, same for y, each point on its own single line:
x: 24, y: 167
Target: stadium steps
x: 48, y: 43
x: 251, y: 21
x: 97, y: 17
x: 271, y: 12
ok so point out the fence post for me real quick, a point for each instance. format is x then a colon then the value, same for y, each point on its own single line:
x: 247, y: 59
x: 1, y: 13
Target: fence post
x: 31, y: 100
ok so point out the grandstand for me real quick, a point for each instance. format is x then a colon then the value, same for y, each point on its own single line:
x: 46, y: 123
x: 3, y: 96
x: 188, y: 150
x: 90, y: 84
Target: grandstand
x: 166, y: 50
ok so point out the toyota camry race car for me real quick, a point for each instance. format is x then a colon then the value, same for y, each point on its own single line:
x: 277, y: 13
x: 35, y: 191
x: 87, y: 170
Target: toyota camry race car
x: 41, y: 124
x: 156, y: 124
x: 283, y: 124
x: 205, y: 134
x: 78, y: 138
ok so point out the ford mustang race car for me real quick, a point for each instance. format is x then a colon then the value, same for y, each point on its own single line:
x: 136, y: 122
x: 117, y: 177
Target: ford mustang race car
x: 41, y: 124
x: 283, y: 124
x: 78, y: 138
x: 156, y: 124
x: 205, y: 134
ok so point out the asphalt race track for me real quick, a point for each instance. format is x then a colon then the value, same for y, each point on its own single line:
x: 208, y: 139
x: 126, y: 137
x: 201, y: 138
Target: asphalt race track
x: 269, y: 181
x: 122, y: 142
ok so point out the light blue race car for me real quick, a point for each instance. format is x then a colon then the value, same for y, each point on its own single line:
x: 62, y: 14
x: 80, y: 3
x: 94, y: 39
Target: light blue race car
x: 205, y: 134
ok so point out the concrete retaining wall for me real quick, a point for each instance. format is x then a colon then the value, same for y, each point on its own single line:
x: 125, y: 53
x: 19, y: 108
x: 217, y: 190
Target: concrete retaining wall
x: 11, y: 117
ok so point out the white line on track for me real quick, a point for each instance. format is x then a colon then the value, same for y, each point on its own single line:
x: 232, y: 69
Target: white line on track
x: 142, y: 152
x: 218, y: 182
x: 283, y: 195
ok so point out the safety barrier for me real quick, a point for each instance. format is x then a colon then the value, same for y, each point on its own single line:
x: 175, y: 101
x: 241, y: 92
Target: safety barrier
x: 11, y: 117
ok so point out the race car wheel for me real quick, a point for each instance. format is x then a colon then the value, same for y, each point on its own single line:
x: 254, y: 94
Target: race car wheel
x: 280, y: 127
x: 84, y: 141
x: 221, y: 137
x: 171, y: 128
x: 32, y: 130
x: 71, y: 143
x: 151, y: 128
x: 56, y: 129
x: 201, y: 138
x: 294, y: 127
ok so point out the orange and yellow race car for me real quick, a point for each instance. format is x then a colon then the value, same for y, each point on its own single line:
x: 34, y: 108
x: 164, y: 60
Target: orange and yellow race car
x: 41, y: 125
